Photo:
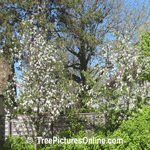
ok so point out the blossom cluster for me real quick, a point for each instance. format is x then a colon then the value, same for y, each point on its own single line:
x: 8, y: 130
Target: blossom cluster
x: 129, y: 66
x: 43, y: 87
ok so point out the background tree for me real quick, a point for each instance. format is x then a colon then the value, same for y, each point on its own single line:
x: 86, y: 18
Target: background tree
x: 123, y: 95
x: 82, y: 27
x: 85, y: 27
x: 145, y: 54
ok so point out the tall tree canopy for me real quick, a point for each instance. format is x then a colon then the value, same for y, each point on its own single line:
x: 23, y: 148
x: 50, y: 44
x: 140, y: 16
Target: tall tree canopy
x: 81, y: 28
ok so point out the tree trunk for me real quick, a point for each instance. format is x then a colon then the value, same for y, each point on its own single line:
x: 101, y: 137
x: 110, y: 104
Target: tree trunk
x: 35, y: 143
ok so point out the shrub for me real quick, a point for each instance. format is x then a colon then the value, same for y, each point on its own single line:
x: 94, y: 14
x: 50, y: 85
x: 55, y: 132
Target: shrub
x: 135, y: 132
x: 18, y: 143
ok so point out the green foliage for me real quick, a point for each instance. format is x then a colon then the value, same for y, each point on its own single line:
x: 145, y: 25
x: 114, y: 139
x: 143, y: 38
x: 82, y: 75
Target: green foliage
x: 79, y: 23
x: 81, y: 134
x: 18, y: 143
x: 135, y: 132
x: 145, y: 53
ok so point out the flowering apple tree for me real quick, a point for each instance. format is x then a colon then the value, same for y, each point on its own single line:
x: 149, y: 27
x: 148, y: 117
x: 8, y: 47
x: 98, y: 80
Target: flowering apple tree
x: 43, y: 86
x: 126, y: 93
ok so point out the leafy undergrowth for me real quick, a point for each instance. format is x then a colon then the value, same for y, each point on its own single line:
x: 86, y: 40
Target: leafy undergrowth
x: 135, y: 134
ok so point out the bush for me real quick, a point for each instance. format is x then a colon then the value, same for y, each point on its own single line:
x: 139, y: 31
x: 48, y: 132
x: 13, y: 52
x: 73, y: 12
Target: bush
x: 135, y: 132
x: 18, y: 143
